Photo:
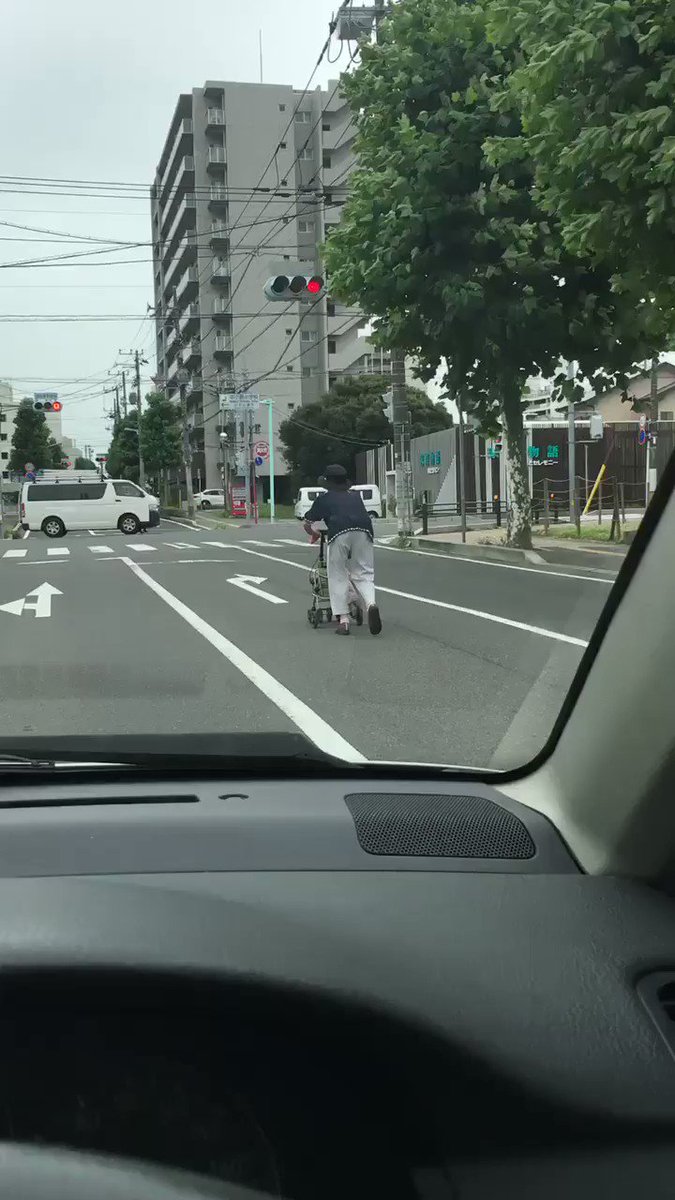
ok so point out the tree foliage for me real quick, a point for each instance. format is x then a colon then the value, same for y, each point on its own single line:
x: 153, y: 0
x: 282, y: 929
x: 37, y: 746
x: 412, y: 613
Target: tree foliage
x: 31, y: 441
x: 85, y: 464
x: 349, y: 419
x: 451, y: 254
x: 123, y: 451
x: 595, y: 85
x: 160, y: 433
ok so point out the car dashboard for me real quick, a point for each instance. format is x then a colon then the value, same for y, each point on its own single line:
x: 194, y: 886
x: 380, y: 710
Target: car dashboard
x: 313, y: 987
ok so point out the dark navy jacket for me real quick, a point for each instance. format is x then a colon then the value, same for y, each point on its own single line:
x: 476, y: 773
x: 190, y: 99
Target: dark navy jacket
x: 341, y: 511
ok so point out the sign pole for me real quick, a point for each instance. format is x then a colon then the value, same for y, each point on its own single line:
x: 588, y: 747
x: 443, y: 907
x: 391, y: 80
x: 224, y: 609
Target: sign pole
x: 270, y: 434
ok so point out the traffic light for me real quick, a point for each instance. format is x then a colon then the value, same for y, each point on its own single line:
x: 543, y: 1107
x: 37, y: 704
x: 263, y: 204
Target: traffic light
x: 47, y: 406
x: 294, y: 287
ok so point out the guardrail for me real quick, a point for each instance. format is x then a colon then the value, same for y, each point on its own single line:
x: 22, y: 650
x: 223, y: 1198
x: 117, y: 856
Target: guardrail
x: 483, y: 509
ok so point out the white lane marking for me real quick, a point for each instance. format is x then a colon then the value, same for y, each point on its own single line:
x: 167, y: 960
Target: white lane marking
x: 41, y: 606
x: 60, y: 551
x: 15, y: 554
x: 294, y: 542
x: 220, y: 545
x: 307, y: 721
x: 253, y: 542
x: 181, y: 545
x: 470, y: 612
x: 92, y: 532
x: 246, y: 581
x: 101, y: 549
x: 140, y: 547
x: 45, y: 562
x: 173, y: 521
x: 485, y: 562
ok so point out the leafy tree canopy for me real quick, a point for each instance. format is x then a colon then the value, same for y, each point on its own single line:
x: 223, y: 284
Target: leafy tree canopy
x: 123, y: 452
x: 31, y: 441
x: 595, y: 85
x: 452, y: 255
x: 160, y: 433
x: 85, y: 464
x: 349, y: 419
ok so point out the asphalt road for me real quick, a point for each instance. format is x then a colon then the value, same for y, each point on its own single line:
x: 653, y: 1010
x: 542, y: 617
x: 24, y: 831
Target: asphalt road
x: 157, y: 634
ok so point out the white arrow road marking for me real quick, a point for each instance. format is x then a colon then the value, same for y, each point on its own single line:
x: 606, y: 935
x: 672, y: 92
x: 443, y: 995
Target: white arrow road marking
x: 41, y: 606
x: 58, y: 550
x: 303, y: 717
x: 246, y: 581
x: 253, y: 542
x: 15, y: 554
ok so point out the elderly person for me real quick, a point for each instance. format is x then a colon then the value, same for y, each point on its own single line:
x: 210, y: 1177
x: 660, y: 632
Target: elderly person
x: 350, y: 548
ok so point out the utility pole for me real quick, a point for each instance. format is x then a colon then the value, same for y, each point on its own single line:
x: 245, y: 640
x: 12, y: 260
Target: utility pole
x: 571, y: 443
x: 141, y: 464
x: 124, y: 392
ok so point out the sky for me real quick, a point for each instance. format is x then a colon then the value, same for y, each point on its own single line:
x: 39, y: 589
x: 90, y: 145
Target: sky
x: 87, y: 92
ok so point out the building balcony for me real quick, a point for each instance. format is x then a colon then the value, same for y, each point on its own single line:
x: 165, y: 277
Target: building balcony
x: 182, y: 145
x: 189, y: 320
x: 192, y: 353
x: 184, y: 255
x: 222, y: 344
x: 215, y: 160
x: 217, y: 196
x: 188, y: 287
x: 185, y: 216
x: 219, y: 234
x: 220, y: 270
x: 215, y: 118
x: 222, y: 307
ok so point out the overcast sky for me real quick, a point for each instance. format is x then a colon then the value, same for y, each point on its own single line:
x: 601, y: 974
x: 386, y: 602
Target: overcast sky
x: 87, y: 92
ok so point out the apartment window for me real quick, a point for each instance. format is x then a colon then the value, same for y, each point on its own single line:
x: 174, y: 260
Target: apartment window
x: 326, y: 126
x: 330, y: 308
x: 5, y: 454
x: 308, y: 335
x: 305, y: 227
x: 3, y: 417
x: 282, y: 108
x: 326, y: 162
x: 303, y: 118
x: 328, y: 197
x: 306, y: 154
x: 289, y: 368
x: 3, y: 437
x: 666, y: 416
x: 256, y: 429
x: 332, y: 346
x: 291, y: 405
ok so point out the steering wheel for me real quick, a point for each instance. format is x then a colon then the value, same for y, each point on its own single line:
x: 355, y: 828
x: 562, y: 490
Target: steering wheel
x: 44, y: 1173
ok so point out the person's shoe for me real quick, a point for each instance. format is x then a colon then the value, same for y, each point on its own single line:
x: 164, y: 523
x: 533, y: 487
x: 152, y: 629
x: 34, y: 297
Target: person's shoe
x: 374, y: 620
x: 343, y: 628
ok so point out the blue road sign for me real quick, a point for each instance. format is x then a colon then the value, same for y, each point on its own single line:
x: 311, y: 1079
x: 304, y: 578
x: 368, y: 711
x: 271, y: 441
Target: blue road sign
x: 259, y: 461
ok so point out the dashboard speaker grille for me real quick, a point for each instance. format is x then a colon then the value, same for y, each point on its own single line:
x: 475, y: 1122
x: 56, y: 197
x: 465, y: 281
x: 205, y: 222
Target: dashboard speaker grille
x: 438, y: 826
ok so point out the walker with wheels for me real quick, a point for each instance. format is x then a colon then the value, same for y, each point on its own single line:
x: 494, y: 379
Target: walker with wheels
x: 321, y: 610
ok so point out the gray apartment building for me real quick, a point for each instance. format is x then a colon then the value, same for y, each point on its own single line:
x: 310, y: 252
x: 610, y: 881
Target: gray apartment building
x: 217, y: 240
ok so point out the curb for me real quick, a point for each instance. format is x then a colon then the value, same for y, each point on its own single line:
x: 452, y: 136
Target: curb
x: 546, y: 555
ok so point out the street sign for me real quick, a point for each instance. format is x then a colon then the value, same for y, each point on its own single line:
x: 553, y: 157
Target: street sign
x: 642, y: 436
x: 29, y: 466
x: 239, y: 401
x: 261, y: 449
x: 258, y: 460
x: 643, y: 420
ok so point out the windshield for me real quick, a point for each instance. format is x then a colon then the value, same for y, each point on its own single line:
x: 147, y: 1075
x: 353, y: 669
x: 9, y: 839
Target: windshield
x: 336, y: 367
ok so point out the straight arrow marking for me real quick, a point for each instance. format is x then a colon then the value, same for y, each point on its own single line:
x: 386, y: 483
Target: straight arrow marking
x: 41, y: 606
x: 251, y: 583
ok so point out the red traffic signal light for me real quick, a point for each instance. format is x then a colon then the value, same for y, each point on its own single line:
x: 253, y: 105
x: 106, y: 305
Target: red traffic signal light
x: 57, y: 406
x: 294, y: 287
x: 47, y: 406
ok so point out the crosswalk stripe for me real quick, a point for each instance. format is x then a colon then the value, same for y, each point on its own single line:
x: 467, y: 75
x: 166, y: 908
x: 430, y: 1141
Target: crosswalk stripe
x: 252, y: 542
x: 180, y: 545
x: 60, y: 550
x: 292, y: 542
x: 140, y: 546
x: 101, y: 549
x: 15, y: 554
x: 219, y: 545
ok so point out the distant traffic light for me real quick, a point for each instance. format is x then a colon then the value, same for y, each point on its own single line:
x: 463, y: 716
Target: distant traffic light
x: 45, y: 406
x: 294, y: 287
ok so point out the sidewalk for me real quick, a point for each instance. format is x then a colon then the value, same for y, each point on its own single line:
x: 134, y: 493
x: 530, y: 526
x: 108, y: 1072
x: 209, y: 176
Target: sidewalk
x: 483, y: 543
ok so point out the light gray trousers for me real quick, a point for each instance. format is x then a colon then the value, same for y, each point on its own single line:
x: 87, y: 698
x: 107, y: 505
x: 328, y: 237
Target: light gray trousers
x: 351, y: 561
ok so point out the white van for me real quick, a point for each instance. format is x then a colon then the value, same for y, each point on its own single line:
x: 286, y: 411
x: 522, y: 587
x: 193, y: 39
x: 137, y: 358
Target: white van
x: 55, y: 506
x: 370, y: 494
x: 305, y: 500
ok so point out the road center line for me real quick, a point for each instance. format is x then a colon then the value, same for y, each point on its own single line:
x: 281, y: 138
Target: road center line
x: 306, y: 720
x: 469, y: 612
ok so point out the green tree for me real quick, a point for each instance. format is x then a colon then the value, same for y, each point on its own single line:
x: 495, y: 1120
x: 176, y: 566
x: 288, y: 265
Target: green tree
x: 56, y: 453
x: 453, y: 257
x: 84, y: 464
x: 351, y: 418
x: 30, y: 439
x: 595, y: 86
x: 161, y: 433
x: 123, y: 452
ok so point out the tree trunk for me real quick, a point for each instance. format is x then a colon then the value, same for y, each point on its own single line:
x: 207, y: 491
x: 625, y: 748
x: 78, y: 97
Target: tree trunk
x: 518, y: 531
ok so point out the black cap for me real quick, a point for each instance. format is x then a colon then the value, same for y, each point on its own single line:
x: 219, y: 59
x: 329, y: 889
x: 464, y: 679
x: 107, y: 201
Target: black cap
x: 335, y: 471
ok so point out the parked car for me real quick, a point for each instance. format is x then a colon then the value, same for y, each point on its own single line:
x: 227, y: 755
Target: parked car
x: 370, y: 494
x: 55, y: 506
x: 210, y: 498
x: 305, y: 500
